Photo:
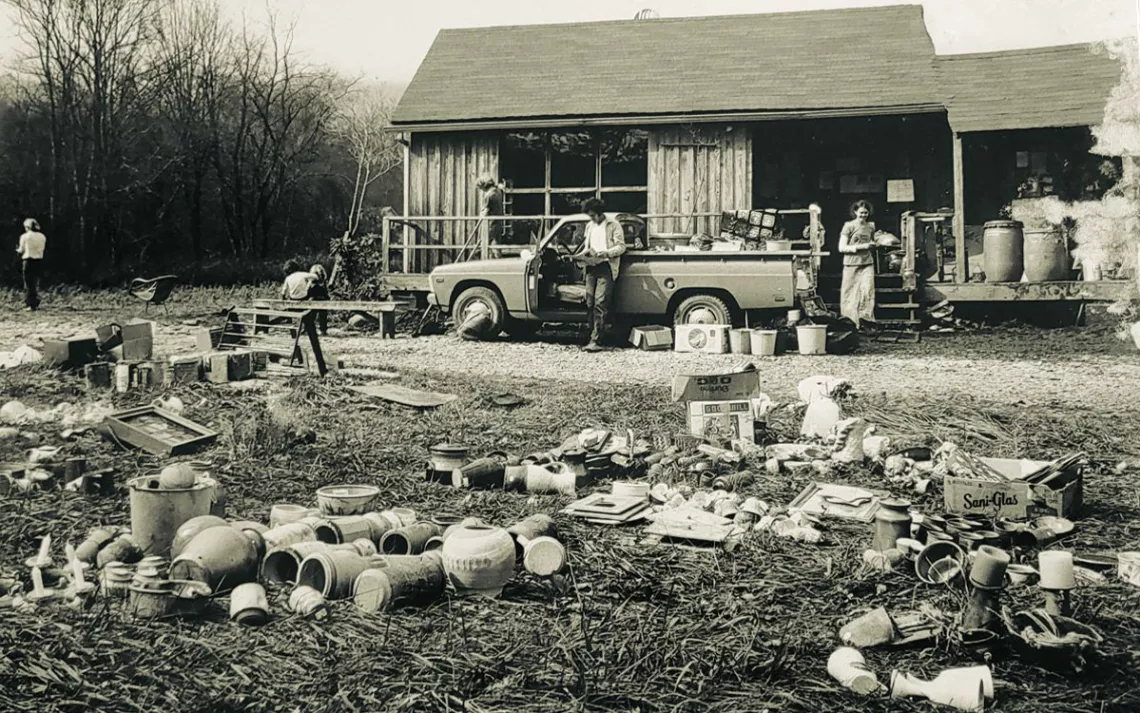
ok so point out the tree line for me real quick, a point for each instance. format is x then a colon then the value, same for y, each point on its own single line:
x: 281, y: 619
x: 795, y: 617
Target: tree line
x: 146, y: 135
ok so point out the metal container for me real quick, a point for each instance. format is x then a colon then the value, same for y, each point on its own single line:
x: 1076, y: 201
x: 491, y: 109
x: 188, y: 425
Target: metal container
x: 1003, y: 250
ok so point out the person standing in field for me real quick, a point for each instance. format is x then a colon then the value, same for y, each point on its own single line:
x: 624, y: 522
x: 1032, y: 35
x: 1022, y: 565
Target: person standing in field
x: 856, y: 243
x: 601, y: 253
x: 31, y: 251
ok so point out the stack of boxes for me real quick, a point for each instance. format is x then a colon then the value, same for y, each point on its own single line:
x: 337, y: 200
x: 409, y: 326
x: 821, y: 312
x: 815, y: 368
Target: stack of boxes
x: 720, y: 405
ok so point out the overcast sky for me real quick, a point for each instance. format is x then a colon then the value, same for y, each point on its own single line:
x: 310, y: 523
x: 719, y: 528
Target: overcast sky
x: 387, y: 39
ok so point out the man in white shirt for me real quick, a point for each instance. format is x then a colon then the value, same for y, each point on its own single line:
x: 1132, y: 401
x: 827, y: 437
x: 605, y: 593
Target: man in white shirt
x: 31, y: 251
x: 297, y: 283
x: 601, y: 256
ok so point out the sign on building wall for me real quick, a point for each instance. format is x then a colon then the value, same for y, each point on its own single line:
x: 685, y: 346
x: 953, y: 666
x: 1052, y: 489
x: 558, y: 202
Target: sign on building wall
x: 900, y: 191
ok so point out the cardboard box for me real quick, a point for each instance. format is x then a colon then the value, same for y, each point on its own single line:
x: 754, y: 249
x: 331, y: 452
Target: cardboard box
x: 723, y: 385
x: 240, y: 365
x: 217, y: 367
x: 73, y: 352
x: 1013, y: 498
x: 704, y: 338
x: 722, y: 421
x: 207, y: 340
x: 651, y: 338
x: 138, y: 341
x: 185, y: 369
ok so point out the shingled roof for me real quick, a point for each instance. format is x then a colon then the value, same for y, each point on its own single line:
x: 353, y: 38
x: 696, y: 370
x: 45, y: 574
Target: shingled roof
x: 1025, y: 89
x: 841, y: 61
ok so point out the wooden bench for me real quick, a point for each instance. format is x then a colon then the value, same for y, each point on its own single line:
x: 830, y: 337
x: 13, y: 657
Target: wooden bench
x: 386, y: 310
x: 274, y: 332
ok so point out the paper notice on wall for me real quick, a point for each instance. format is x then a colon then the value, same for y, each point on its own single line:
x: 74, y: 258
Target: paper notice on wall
x: 900, y: 191
x: 1022, y: 159
x: 848, y: 183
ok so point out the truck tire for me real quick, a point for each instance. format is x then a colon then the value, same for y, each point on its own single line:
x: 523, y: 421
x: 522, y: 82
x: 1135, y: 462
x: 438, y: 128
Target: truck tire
x: 476, y: 300
x: 702, y: 309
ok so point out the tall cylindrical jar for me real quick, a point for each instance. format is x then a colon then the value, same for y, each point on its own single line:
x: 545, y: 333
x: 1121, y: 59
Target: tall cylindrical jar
x: 892, y: 522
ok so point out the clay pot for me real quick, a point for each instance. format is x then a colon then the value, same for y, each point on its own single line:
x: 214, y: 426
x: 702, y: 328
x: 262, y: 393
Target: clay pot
x: 479, y: 560
x: 282, y: 565
x: 872, y: 629
x: 287, y: 535
x: 339, y: 530
x: 381, y: 523
x: 249, y: 605
x: 988, y: 570
x: 190, y: 529
x: 285, y: 513
x: 409, y: 540
x: 88, y: 550
x: 306, y: 601
x: 397, y: 582
x: 1056, y: 570
x: 221, y: 557
x: 407, y: 515
x: 847, y: 666
x: 123, y: 549
x: 332, y: 572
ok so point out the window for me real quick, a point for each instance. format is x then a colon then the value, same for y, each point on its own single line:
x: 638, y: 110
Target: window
x: 565, y: 168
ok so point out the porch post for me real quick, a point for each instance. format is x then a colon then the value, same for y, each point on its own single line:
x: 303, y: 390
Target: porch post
x: 959, y: 226
x: 407, y: 254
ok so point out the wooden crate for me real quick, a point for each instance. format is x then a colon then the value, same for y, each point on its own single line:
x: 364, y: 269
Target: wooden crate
x: 159, y: 432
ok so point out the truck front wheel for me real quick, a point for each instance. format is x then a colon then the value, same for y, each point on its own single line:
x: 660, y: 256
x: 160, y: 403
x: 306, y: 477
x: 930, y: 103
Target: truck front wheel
x: 476, y: 301
x: 702, y: 309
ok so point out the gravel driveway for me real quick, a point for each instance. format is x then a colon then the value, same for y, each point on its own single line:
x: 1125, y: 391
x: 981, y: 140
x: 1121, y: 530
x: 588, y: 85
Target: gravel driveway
x: 1086, y: 367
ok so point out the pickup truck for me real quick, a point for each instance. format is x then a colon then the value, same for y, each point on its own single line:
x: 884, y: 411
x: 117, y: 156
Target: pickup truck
x: 654, y: 286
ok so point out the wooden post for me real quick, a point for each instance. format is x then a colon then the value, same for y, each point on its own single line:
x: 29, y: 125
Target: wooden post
x: 959, y: 214
x: 386, y: 241
x: 407, y: 203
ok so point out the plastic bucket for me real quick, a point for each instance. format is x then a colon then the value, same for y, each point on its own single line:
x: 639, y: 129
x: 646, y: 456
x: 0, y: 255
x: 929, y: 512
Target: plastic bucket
x: 764, y: 342
x: 739, y: 341
x: 812, y: 338
x: 157, y: 513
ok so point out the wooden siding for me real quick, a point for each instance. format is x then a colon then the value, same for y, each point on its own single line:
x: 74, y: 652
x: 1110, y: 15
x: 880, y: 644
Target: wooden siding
x: 442, y: 173
x: 698, y: 169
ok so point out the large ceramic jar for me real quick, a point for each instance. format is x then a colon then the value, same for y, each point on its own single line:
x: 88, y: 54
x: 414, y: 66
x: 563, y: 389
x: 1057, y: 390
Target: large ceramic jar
x: 222, y: 557
x: 479, y: 559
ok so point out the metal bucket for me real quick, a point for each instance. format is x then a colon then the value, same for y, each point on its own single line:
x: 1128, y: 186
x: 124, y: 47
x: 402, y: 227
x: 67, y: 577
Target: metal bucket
x: 156, y: 514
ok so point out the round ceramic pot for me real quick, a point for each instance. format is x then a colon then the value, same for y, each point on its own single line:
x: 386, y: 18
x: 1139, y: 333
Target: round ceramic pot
x: 307, y: 601
x: 479, y: 560
x: 249, y: 605
x: 381, y: 523
x: 285, y: 513
x: 544, y: 556
x: 221, y: 557
x: 190, y: 529
x: 448, y: 456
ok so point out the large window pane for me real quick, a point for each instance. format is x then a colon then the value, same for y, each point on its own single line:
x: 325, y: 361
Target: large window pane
x: 523, y: 160
x: 625, y: 157
x: 625, y: 202
x: 573, y: 160
x: 524, y: 232
x: 568, y: 203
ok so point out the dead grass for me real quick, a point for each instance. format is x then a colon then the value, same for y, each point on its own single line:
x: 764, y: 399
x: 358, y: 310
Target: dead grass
x: 626, y: 629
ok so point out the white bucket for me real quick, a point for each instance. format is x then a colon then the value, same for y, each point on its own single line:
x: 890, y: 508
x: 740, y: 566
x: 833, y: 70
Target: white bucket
x: 812, y: 338
x: 764, y: 342
x: 794, y: 315
x: 739, y: 341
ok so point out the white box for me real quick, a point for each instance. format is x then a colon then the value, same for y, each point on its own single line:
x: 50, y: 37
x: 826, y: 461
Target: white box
x: 721, y: 421
x: 706, y: 338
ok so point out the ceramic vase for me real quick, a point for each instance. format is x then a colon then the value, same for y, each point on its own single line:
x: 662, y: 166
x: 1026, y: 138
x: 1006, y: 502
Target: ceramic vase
x: 221, y: 557
x: 966, y: 692
x: 479, y: 560
x: 847, y: 666
x: 190, y: 529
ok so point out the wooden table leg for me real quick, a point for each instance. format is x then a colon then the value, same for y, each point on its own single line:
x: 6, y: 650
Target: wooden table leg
x: 387, y: 325
x: 310, y: 324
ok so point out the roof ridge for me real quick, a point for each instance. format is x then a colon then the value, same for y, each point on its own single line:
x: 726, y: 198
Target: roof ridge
x: 914, y: 7
x: 1045, y: 49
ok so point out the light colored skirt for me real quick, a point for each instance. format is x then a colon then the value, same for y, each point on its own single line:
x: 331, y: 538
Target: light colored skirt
x: 857, y: 293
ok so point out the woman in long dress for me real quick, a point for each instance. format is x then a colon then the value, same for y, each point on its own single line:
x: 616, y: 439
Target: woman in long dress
x: 856, y: 243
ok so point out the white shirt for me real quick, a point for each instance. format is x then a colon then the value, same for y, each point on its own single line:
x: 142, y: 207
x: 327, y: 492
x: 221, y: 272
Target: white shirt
x: 297, y: 285
x: 596, y: 237
x: 32, y: 245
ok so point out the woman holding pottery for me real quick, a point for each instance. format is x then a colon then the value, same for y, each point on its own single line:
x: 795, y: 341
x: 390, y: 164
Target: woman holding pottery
x: 856, y: 243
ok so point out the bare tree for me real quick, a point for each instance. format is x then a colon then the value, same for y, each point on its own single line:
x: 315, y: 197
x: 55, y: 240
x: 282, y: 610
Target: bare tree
x: 360, y: 125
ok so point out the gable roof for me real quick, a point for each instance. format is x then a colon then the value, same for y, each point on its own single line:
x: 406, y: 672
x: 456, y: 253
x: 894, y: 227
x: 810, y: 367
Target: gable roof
x: 1025, y: 89
x: 843, y: 61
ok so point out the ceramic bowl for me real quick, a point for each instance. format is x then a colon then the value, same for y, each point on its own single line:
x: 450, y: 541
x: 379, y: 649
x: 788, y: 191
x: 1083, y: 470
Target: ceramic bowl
x: 939, y: 562
x: 346, y: 499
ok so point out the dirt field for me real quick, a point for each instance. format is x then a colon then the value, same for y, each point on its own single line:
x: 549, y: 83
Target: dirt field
x: 627, y: 627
